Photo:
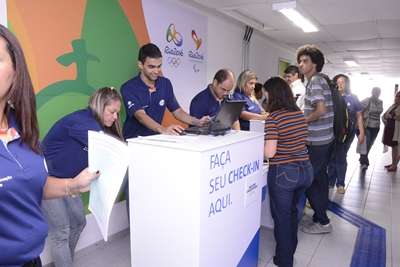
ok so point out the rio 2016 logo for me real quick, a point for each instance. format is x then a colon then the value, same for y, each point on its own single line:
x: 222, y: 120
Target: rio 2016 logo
x: 196, y: 54
x: 197, y: 40
x: 174, y: 36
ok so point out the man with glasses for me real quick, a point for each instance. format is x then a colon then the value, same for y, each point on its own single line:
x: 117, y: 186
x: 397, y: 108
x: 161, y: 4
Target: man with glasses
x: 208, y: 102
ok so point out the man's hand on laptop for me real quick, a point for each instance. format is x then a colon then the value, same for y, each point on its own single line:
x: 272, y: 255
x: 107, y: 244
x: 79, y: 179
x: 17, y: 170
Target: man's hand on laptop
x: 203, y: 121
x: 173, y: 129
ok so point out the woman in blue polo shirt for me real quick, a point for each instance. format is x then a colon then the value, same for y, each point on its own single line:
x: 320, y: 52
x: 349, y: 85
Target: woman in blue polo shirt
x: 65, y: 150
x: 23, y: 176
x: 337, y: 166
x: 245, y: 91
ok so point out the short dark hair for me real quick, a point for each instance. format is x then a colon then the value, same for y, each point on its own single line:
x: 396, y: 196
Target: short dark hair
x: 314, y: 53
x: 292, y: 69
x: 280, y: 96
x: 346, y: 78
x: 149, y: 50
x: 222, y: 75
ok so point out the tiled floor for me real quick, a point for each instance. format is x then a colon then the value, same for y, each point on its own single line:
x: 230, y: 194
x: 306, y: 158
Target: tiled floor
x: 374, y: 195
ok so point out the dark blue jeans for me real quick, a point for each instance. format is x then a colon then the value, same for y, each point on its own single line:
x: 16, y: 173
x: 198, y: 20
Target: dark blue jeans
x: 318, y: 192
x: 370, y: 135
x: 337, y: 166
x: 286, y: 184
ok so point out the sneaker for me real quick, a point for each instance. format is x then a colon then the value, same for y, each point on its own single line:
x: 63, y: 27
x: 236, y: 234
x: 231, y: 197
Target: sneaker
x: 306, y: 220
x: 317, y: 228
x: 341, y: 190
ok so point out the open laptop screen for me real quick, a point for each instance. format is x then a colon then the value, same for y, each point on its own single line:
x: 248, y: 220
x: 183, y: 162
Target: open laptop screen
x: 229, y: 113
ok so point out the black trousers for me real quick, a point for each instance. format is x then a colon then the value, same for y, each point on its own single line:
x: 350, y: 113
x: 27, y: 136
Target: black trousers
x: 370, y: 134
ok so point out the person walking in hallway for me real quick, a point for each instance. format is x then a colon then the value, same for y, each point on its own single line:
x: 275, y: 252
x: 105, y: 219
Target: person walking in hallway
x: 373, y: 108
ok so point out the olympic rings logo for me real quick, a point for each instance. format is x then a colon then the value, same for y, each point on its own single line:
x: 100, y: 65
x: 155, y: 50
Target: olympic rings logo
x: 173, y: 35
x: 173, y: 61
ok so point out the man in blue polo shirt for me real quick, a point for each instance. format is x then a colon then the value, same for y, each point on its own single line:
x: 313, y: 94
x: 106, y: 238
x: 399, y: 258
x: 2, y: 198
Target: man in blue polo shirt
x: 208, y: 102
x: 146, y: 97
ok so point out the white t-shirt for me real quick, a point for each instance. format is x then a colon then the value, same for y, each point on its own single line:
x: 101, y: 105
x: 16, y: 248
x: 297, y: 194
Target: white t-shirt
x: 299, y: 90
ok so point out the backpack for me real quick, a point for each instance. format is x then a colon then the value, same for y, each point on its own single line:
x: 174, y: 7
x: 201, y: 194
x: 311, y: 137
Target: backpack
x: 341, y: 120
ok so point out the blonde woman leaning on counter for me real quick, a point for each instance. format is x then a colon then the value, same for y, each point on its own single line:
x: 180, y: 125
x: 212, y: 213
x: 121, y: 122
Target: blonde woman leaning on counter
x: 245, y: 91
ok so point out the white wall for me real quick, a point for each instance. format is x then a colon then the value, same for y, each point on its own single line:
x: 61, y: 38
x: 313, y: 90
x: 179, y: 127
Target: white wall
x: 224, y: 48
x: 265, y: 55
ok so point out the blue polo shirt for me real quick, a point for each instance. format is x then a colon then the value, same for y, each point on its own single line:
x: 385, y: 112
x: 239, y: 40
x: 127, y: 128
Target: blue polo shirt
x: 204, y: 104
x: 66, y: 144
x: 23, y: 229
x: 353, y: 106
x: 250, y: 106
x: 136, y: 96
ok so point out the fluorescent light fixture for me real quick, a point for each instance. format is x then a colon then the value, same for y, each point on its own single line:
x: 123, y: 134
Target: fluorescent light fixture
x: 288, y: 9
x: 351, y: 62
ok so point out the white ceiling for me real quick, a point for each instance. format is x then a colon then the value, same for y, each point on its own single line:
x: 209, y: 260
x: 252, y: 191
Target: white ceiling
x: 366, y: 30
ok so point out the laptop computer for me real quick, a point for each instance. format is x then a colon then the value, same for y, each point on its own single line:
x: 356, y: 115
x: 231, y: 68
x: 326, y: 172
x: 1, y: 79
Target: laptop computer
x: 222, y: 122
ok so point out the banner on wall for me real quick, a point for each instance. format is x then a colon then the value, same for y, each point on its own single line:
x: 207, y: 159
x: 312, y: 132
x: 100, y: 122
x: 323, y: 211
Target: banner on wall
x: 180, y: 34
x: 3, y: 13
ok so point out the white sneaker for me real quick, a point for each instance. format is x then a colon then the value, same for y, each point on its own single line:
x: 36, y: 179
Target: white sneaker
x: 317, y: 228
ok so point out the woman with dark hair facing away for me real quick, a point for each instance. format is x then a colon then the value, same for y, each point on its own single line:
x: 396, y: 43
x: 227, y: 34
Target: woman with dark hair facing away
x: 337, y: 166
x: 24, y: 180
x: 245, y: 91
x: 65, y: 150
x: 290, y: 171
x: 391, y: 132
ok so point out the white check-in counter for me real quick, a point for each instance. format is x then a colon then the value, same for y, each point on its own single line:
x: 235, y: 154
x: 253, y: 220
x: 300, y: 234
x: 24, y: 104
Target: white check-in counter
x: 196, y: 200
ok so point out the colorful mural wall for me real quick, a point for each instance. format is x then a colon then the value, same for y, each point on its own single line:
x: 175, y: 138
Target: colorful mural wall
x: 73, y: 47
